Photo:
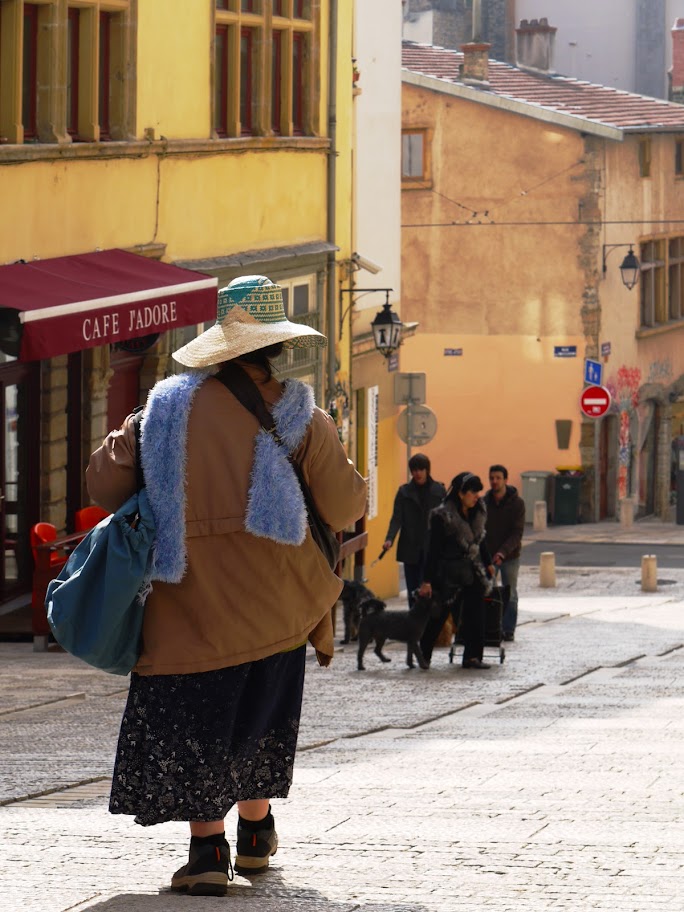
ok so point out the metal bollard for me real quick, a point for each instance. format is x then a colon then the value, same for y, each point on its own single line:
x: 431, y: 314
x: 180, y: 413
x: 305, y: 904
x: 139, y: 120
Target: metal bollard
x: 547, y: 570
x: 539, y: 524
x: 649, y: 573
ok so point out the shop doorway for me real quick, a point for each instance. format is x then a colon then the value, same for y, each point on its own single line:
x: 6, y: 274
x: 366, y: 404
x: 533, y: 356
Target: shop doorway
x: 608, y: 467
x: 19, y: 468
x: 649, y: 427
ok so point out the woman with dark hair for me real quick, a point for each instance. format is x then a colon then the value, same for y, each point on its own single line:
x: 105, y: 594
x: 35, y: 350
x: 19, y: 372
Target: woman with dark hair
x: 458, y: 568
x: 238, y: 583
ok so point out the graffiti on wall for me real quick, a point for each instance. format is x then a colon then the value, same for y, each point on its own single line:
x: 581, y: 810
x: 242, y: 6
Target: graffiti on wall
x: 660, y: 371
x: 624, y: 388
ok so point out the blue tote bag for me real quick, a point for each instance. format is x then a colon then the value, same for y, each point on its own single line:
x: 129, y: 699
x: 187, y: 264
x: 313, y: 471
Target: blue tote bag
x: 95, y: 606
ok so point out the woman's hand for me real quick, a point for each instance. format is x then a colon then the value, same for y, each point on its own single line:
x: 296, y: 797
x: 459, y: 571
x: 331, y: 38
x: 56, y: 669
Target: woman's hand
x: 387, y: 545
x: 425, y: 590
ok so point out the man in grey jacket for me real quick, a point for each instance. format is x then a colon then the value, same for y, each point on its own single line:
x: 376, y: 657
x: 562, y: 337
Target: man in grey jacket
x: 410, y: 518
x: 505, y: 527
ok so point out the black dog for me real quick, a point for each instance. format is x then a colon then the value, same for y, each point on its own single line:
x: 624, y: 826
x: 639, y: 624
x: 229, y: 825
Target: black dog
x: 405, y: 626
x: 354, y: 597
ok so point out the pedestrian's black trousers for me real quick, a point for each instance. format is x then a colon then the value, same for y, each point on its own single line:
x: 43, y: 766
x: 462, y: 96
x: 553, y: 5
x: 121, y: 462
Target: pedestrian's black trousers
x: 469, y: 614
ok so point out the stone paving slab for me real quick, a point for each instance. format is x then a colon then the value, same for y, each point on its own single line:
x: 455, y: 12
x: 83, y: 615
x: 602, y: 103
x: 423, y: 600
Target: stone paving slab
x: 507, y: 789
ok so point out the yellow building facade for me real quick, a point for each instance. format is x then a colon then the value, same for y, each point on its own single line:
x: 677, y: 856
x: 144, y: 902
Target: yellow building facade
x: 214, y: 136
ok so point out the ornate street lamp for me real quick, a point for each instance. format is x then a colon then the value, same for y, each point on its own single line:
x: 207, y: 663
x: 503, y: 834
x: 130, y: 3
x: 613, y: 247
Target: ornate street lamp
x: 386, y: 325
x: 387, y: 328
x: 630, y: 268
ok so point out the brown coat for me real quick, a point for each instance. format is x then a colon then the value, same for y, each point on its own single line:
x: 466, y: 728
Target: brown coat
x: 242, y: 598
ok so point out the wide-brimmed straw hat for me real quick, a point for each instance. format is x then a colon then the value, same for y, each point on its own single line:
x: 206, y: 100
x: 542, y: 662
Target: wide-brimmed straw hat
x: 250, y: 316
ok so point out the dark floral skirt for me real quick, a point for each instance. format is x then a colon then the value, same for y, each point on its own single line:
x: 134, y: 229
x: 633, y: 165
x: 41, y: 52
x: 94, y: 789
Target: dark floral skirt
x: 192, y: 745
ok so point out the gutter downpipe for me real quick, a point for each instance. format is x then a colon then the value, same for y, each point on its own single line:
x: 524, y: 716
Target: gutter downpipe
x: 331, y: 195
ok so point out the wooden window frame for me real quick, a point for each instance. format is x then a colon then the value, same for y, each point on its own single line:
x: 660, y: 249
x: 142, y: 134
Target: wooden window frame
x: 679, y: 158
x: 248, y: 52
x: 653, y: 282
x: 424, y: 180
x: 221, y: 80
x: 645, y: 151
x: 302, y: 361
x: 299, y: 55
x: 104, y: 65
x: 283, y: 103
x: 73, y: 68
x: 675, y: 278
x: 276, y: 81
x: 52, y: 66
x: 29, y: 81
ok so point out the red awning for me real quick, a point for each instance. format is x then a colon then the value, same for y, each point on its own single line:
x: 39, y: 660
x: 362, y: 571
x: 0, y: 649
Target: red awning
x: 53, y: 307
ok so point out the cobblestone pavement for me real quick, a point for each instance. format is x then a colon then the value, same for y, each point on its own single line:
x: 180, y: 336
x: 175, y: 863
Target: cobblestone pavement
x: 551, y: 782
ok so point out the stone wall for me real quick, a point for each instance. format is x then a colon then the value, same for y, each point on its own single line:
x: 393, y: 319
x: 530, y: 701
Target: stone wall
x: 589, y: 210
x: 453, y: 24
x: 496, y: 26
x: 650, y: 47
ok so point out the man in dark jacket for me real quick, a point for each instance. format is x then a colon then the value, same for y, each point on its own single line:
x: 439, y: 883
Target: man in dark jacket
x: 505, y: 527
x: 412, y: 506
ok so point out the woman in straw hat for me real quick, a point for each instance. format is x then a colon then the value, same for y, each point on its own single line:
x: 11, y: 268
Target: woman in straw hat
x: 239, y: 585
x: 459, y: 568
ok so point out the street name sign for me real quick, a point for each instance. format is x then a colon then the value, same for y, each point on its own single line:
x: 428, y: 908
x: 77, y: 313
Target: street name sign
x: 595, y: 401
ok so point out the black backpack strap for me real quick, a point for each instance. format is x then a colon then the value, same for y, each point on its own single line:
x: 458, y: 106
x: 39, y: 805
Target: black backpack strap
x: 246, y: 392
x: 139, y: 474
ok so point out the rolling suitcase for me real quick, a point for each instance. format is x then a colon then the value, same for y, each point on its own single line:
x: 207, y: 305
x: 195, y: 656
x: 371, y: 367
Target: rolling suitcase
x: 495, y: 603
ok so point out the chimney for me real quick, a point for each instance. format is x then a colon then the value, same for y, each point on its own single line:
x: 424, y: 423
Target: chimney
x: 534, y: 45
x: 475, y: 68
x: 677, y: 71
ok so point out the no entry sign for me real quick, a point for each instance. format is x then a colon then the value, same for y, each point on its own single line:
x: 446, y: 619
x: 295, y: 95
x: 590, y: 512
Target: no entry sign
x: 595, y: 401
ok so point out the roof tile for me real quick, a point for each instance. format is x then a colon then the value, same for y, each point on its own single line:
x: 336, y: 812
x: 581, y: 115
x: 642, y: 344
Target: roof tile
x: 612, y: 107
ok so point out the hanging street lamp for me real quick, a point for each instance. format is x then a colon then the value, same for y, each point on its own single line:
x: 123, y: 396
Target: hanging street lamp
x: 387, y: 329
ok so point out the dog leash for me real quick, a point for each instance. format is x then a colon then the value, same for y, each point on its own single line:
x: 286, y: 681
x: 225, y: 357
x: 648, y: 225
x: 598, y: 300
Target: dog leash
x: 378, y: 558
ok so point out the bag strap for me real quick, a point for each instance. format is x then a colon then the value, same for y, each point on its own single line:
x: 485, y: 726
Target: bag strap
x: 247, y: 393
x: 245, y: 390
x: 139, y: 474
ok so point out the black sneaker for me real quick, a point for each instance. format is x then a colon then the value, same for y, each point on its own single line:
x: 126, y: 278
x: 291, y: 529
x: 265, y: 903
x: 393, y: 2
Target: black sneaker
x: 207, y: 872
x: 254, y: 848
x: 509, y: 636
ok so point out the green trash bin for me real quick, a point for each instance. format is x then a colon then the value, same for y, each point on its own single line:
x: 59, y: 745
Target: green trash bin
x: 566, y: 500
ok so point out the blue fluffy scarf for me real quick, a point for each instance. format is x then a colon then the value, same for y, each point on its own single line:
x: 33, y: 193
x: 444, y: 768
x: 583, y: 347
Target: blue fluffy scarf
x: 275, y: 506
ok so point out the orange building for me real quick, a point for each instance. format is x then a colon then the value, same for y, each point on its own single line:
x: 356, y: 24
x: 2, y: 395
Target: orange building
x: 522, y: 193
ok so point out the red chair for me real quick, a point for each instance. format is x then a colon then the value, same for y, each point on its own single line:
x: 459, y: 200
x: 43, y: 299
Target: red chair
x: 41, y: 534
x: 87, y: 518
